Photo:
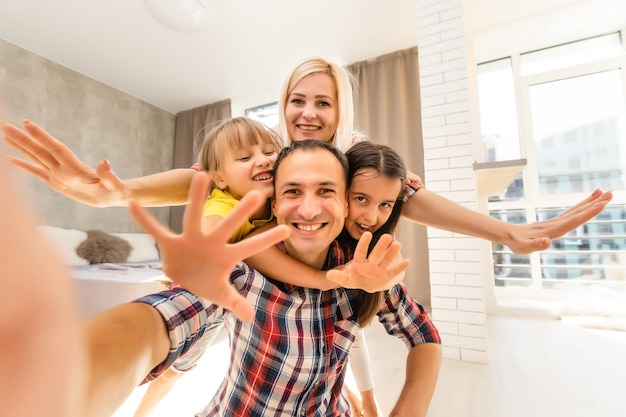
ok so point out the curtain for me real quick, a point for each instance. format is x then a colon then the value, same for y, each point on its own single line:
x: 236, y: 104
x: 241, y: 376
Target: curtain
x: 189, y: 135
x: 388, y: 111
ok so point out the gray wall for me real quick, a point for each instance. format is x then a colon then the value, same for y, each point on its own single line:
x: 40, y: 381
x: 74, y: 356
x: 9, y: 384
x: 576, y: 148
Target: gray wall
x: 95, y: 121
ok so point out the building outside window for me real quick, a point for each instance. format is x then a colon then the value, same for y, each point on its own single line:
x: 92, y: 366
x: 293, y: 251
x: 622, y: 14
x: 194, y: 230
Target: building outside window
x: 561, y: 108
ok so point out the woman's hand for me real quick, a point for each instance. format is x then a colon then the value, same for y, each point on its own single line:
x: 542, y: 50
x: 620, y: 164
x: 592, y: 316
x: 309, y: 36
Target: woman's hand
x: 55, y: 164
x: 201, y: 262
x: 379, y: 271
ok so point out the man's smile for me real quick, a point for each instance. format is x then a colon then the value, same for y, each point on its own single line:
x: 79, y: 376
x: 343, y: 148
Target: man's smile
x: 308, y: 227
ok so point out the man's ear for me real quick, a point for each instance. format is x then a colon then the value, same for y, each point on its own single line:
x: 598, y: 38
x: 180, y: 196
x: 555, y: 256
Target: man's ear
x: 273, y: 203
x: 347, y: 207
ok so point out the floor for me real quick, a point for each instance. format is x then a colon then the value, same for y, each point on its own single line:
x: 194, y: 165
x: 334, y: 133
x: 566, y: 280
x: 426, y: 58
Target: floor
x: 537, y: 367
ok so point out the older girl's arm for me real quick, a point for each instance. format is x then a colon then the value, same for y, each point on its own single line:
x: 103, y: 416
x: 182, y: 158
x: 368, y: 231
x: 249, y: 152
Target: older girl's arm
x: 433, y: 210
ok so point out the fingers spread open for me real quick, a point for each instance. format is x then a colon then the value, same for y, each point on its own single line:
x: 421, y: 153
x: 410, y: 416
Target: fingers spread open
x: 360, y: 252
x: 377, y: 254
x: 31, y: 168
x: 261, y: 241
x: 148, y: 223
x: 25, y: 145
x: 397, y: 270
x: 242, y: 211
x: 239, y: 305
x: 192, y: 219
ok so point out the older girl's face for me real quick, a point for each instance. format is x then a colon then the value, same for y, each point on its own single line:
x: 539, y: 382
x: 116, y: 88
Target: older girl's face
x: 311, y: 110
x: 370, y: 201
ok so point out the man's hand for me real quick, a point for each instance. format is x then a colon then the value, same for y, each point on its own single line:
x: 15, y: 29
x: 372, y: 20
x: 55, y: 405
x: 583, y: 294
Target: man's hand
x: 379, y: 271
x: 202, y: 262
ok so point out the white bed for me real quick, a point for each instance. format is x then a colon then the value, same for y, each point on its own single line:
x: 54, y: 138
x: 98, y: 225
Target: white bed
x: 105, y: 285
x: 102, y: 286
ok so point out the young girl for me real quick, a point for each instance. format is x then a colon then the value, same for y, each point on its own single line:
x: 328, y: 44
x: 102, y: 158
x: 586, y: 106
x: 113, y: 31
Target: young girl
x: 376, y: 194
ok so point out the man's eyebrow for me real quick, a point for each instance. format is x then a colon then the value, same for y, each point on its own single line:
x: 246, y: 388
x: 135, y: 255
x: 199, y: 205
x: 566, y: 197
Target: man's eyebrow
x: 299, y: 184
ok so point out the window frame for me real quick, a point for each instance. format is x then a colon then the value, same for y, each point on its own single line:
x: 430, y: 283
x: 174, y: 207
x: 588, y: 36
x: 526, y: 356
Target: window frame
x: 533, y: 200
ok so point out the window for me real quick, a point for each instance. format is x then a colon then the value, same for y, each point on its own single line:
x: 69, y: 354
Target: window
x: 563, y: 109
x: 266, y: 114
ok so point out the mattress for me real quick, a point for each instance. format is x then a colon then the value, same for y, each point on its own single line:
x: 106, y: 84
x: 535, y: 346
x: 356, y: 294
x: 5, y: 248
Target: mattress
x: 102, y: 286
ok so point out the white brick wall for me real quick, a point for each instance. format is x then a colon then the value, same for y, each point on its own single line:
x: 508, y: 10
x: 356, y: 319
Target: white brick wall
x: 456, y: 267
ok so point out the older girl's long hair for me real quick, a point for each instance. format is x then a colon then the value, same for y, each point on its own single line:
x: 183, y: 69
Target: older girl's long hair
x: 388, y: 163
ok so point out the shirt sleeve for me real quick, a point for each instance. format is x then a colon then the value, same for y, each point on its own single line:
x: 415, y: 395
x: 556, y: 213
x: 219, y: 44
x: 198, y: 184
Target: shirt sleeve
x: 186, y: 316
x: 406, y: 319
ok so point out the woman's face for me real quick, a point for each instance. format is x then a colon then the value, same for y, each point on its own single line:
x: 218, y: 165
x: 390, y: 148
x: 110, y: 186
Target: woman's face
x: 312, y: 110
x: 370, y: 201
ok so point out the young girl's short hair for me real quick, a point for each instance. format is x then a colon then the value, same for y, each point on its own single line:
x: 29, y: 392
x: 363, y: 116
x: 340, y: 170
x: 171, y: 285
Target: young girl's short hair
x: 343, y: 81
x: 230, y: 135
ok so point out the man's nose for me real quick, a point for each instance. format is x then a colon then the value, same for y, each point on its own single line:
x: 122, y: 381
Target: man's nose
x: 309, y: 207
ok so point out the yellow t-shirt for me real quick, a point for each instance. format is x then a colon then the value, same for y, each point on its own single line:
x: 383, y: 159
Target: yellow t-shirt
x: 221, y: 203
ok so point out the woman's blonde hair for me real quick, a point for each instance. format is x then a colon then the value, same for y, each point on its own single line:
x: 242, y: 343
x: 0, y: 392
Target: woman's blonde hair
x: 342, y: 138
x: 230, y: 135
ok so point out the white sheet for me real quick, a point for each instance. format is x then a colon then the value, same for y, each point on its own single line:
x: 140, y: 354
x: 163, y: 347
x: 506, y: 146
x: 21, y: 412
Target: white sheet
x: 103, y: 286
x: 124, y: 272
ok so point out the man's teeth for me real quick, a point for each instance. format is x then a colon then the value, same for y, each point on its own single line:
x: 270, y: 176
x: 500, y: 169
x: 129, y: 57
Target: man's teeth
x: 308, y: 227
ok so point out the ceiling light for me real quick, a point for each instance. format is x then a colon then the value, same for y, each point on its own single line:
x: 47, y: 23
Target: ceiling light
x: 184, y: 15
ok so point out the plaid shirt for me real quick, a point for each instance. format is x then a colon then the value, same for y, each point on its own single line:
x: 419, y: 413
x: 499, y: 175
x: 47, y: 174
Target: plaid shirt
x: 291, y: 359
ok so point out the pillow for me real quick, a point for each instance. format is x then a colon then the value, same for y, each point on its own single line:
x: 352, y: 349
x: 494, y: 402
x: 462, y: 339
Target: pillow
x: 66, y: 241
x: 101, y: 247
x: 144, y: 246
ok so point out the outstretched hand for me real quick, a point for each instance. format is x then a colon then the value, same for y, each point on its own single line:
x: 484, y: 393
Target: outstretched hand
x: 202, y: 262
x: 55, y: 164
x: 379, y: 271
x: 527, y: 238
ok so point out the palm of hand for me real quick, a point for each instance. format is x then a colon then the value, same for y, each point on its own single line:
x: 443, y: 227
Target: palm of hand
x: 202, y: 262
x: 378, y: 271
x: 55, y: 164
x: 527, y: 238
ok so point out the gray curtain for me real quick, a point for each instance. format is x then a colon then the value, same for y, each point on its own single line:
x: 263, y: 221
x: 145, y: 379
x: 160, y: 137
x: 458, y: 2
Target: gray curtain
x: 190, y: 128
x: 388, y: 111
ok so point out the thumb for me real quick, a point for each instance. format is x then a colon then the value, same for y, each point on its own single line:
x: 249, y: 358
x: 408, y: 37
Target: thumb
x: 238, y: 305
x: 337, y: 276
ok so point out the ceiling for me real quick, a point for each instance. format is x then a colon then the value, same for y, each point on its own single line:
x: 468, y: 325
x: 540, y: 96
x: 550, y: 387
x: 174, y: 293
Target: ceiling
x: 248, y: 47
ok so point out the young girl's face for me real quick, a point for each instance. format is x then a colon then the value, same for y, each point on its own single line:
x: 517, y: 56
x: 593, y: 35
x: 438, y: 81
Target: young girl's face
x: 370, y: 201
x: 247, y: 168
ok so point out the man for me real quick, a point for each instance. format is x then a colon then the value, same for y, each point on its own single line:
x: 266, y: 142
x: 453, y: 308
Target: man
x: 289, y: 358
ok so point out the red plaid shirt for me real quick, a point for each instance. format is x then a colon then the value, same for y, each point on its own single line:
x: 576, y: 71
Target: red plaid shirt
x: 291, y: 359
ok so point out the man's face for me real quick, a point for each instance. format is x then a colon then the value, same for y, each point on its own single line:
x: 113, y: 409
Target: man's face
x: 311, y: 199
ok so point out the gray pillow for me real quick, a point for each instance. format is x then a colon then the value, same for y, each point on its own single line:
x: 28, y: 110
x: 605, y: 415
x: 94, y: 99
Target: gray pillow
x: 101, y: 247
